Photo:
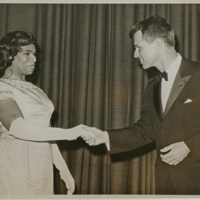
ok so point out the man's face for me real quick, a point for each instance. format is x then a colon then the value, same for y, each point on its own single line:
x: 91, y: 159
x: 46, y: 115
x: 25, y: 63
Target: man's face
x: 144, y: 51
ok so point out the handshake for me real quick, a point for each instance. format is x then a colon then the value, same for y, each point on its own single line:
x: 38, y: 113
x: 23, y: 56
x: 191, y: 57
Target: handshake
x: 94, y: 136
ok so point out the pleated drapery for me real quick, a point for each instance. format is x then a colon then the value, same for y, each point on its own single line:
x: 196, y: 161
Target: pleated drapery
x: 86, y: 67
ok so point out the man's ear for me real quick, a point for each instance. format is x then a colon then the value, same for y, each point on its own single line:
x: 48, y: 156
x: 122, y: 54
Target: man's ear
x: 159, y: 44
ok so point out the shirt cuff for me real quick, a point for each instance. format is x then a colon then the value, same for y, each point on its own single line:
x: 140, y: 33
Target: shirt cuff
x: 107, y: 141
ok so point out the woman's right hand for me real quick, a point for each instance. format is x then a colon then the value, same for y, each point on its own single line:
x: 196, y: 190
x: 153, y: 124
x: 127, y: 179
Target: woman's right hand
x: 78, y: 131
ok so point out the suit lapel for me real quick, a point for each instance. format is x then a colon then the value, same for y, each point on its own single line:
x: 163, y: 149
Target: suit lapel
x: 177, y: 87
x: 182, y: 77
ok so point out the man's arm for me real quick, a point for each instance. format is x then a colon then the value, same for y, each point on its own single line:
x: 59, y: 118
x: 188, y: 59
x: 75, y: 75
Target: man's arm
x: 125, y: 139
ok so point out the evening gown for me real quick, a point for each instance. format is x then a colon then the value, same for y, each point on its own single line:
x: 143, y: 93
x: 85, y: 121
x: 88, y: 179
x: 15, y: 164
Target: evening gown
x: 26, y: 167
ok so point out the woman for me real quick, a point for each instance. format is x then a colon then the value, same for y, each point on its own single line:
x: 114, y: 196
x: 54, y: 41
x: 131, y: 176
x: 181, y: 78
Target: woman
x: 27, y: 147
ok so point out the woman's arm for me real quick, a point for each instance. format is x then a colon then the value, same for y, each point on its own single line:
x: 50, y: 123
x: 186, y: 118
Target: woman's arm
x: 9, y: 111
x: 60, y: 164
x: 12, y: 118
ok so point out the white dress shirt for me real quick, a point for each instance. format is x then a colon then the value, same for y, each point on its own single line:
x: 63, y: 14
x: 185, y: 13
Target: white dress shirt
x: 166, y: 86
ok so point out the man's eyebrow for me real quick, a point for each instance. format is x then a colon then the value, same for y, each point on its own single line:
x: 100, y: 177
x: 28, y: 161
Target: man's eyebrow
x: 30, y: 51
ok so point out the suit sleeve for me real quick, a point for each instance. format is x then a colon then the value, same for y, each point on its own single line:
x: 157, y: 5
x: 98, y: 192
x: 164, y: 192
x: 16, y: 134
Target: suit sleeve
x: 193, y: 144
x: 138, y: 134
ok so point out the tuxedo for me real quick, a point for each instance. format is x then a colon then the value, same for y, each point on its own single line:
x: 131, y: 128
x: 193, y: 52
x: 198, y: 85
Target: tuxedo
x: 180, y: 121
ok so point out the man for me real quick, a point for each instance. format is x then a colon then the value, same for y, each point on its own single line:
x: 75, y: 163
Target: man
x: 170, y: 114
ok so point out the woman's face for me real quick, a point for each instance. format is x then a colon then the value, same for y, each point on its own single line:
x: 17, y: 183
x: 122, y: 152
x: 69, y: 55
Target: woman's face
x: 24, y: 62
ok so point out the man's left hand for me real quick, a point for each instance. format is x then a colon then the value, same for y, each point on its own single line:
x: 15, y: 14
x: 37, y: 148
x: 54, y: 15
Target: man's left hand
x: 177, y: 152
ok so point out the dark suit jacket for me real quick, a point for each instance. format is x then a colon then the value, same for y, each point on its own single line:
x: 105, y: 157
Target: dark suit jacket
x: 180, y: 122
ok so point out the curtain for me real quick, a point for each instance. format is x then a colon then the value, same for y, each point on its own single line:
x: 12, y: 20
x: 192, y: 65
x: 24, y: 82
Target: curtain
x: 86, y: 67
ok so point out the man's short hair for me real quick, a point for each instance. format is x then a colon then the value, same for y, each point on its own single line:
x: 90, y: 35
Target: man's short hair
x: 153, y: 28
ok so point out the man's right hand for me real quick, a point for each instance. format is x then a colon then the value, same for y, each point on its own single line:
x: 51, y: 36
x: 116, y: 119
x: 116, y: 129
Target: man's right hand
x: 98, y: 137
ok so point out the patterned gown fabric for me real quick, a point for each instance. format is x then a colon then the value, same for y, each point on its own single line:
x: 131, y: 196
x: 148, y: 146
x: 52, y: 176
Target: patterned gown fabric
x: 26, y: 167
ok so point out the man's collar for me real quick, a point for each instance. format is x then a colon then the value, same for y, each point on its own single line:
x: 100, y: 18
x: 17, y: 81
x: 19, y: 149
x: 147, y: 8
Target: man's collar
x: 175, y: 64
x: 187, y: 67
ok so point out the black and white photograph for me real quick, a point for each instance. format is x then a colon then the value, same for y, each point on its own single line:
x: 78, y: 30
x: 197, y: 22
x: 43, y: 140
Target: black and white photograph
x: 99, y: 100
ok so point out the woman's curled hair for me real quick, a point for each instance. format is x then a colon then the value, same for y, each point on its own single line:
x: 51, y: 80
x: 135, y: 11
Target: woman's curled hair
x: 11, y: 44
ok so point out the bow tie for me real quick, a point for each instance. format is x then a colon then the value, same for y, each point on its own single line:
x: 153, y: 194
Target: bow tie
x: 163, y: 75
